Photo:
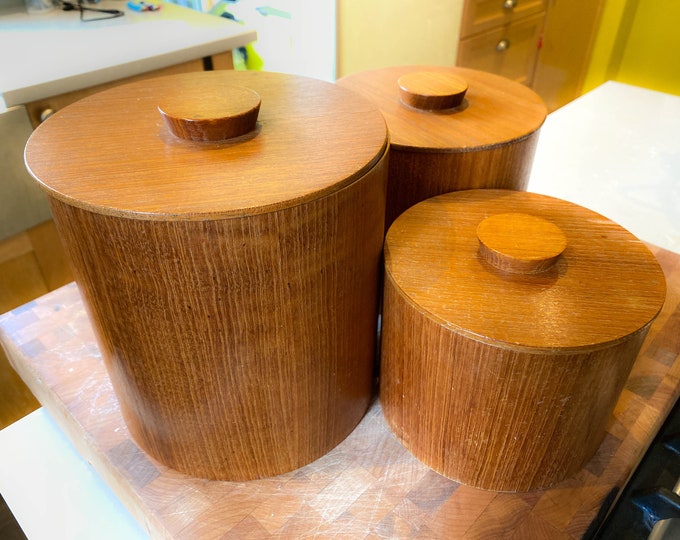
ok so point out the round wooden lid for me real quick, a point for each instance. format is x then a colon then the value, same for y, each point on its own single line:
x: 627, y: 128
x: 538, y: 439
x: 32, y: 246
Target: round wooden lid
x: 431, y: 90
x: 520, y: 243
x: 214, y: 112
x: 522, y: 270
x: 449, y: 109
x: 207, y: 145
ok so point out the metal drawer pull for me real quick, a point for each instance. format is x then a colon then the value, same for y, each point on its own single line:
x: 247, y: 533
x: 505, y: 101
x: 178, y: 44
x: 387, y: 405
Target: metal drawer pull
x: 503, y: 45
x: 509, y: 4
x: 45, y: 114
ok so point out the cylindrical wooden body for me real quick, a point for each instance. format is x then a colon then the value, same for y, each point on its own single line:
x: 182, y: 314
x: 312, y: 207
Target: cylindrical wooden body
x: 415, y: 176
x: 239, y: 339
x: 238, y: 348
x: 488, y: 141
x: 494, y: 417
x: 506, y: 381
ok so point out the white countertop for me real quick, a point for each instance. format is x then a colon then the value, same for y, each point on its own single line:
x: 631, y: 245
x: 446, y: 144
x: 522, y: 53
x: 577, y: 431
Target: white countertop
x: 53, y: 492
x: 53, y: 53
x: 614, y: 150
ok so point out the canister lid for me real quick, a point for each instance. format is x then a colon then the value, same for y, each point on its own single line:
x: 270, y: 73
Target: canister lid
x: 207, y: 145
x: 449, y: 109
x: 522, y: 270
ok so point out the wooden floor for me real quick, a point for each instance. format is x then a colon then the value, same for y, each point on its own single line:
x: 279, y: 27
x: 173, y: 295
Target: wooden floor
x: 9, y: 528
x: 32, y: 263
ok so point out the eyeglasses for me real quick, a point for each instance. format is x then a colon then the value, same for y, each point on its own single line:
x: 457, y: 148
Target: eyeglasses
x: 108, y: 13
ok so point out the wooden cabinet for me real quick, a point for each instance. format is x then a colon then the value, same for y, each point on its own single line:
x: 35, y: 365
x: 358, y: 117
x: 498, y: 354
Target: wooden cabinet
x: 481, y: 15
x: 41, y: 109
x: 502, y: 37
x: 545, y: 44
x: 571, y: 28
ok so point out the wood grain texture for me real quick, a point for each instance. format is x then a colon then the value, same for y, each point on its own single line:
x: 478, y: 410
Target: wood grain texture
x: 605, y: 286
x: 507, y: 381
x: 313, y: 138
x: 430, y: 91
x: 520, y: 243
x: 240, y: 346
x: 210, y: 111
x: 369, y: 486
x: 55, y: 103
x: 487, y: 142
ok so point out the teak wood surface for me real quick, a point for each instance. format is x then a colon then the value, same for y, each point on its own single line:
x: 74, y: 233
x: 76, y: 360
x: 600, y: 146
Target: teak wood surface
x: 500, y: 379
x: 369, y: 486
x: 488, y: 141
x: 233, y: 285
x: 213, y: 112
x: 111, y: 153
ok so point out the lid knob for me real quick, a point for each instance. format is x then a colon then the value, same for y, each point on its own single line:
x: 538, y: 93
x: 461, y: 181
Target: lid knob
x: 432, y: 90
x: 210, y: 112
x: 520, y: 243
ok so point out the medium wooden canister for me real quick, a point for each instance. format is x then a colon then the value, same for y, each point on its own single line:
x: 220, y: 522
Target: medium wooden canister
x: 451, y: 129
x: 228, y: 261
x: 510, y: 325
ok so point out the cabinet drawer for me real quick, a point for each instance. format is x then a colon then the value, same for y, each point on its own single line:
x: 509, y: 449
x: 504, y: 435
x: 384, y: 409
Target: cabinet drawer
x: 509, y: 51
x: 39, y: 110
x: 480, y: 15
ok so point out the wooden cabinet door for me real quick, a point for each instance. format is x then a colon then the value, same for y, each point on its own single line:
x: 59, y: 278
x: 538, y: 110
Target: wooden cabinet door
x: 481, y: 15
x: 570, y: 32
x: 509, y: 50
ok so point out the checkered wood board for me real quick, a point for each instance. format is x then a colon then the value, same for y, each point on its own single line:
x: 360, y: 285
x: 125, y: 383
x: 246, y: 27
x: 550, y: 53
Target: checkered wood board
x: 367, y: 487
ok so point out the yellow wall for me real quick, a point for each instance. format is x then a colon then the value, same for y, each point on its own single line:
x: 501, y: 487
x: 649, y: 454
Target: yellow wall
x: 379, y: 33
x: 605, y: 44
x: 638, y: 43
x: 651, y: 57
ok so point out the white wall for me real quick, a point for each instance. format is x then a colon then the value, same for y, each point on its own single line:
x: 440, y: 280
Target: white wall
x: 297, y: 36
x: 327, y: 39
x: 314, y: 39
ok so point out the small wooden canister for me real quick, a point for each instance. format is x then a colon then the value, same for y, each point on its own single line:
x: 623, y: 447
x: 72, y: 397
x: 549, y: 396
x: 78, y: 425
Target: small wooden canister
x: 229, y: 262
x: 451, y: 129
x: 511, y: 322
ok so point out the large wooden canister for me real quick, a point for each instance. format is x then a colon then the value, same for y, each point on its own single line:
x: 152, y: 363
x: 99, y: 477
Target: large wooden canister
x: 450, y: 129
x: 228, y: 261
x: 510, y: 325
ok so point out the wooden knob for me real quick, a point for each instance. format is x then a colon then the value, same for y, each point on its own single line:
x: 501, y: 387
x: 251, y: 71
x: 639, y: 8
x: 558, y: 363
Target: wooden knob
x: 211, y: 112
x: 520, y: 243
x: 430, y: 90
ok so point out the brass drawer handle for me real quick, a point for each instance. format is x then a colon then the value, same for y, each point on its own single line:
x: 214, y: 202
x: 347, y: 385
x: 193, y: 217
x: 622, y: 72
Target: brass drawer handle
x: 509, y: 4
x: 503, y: 45
x: 45, y: 114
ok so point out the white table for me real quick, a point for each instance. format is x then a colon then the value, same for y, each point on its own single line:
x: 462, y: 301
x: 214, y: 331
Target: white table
x: 52, y: 491
x: 615, y: 150
x: 55, y: 53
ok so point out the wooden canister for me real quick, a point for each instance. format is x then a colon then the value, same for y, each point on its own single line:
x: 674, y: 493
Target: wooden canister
x: 451, y: 129
x: 229, y: 262
x: 511, y: 322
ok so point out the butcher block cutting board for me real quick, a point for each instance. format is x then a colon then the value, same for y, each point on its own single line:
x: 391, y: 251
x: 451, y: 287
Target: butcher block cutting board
x: 367, y: 487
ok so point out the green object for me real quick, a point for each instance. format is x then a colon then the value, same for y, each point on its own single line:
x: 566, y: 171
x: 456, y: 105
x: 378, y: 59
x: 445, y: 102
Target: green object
x: 244, y: 58
x: 253, y: 60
